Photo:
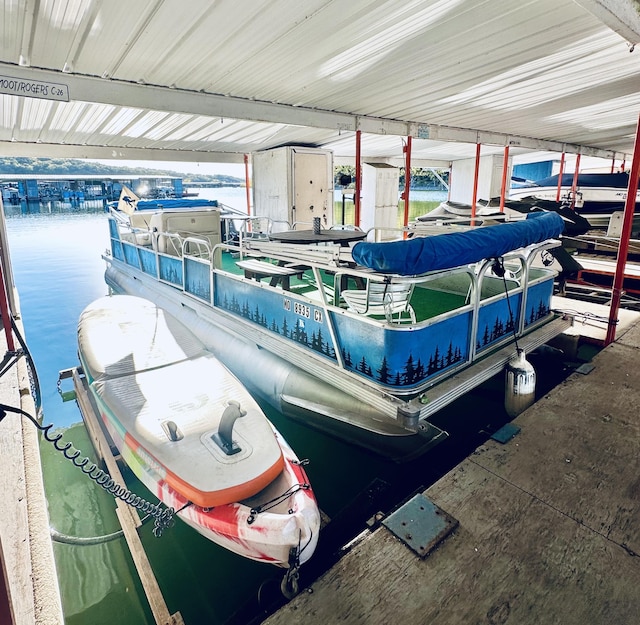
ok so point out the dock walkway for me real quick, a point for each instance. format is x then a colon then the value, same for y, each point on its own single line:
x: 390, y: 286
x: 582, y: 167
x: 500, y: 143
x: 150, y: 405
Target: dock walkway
x: 548, y: 523
x: 29, y: 593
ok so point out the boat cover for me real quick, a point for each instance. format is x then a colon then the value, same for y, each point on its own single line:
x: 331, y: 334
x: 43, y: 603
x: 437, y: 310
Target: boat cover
x: 169, y: 204
x: 618, y: 180
x: 422, y: 254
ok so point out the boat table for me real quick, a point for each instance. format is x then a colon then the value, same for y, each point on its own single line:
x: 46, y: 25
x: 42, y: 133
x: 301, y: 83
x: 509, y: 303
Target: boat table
x: 279, y: 274
x: 343, y: 237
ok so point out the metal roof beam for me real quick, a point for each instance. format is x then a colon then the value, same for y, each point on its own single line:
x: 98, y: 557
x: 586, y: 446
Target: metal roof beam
x: 395, y: 161
x: 119, y: 93
x: 621, y: 16
x: 465, y: 135
x: 67, y: 150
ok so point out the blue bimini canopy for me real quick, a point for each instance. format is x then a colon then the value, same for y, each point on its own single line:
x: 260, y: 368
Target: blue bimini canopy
x: 444, y: 251
x: 169, y: 204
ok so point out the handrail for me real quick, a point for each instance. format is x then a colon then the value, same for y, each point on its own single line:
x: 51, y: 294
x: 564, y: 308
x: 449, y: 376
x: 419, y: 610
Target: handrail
x: 171, y: 236
x: 199, y: 244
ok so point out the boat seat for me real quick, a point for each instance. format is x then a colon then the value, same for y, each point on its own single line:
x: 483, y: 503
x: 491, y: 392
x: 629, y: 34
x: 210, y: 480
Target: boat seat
x: 171, y: 227
x: 382, y: 299
x: 139, y: 223
x: 259, y: 269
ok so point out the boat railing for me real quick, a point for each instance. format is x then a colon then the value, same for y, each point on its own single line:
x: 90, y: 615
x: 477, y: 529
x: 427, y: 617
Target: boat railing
x: 169, y: 243
x: 329, y: 254
x: 197, y: 247
x: 250, y: 228
x: 339, y: 261
x: 378, y: 234
x: 226, y: 208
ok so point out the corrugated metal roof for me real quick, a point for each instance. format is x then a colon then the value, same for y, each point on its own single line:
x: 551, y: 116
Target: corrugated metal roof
x: 167, y: 79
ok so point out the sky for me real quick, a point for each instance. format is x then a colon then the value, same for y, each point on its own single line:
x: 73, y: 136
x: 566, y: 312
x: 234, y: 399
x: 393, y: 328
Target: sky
x: 209, y: 169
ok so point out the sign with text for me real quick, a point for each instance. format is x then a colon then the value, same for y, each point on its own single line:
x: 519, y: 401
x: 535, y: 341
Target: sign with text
x: 34, y: 88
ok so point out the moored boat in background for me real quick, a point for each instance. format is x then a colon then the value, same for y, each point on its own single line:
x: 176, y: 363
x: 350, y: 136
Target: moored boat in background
x: 489, y: 211
x: 596, y: 194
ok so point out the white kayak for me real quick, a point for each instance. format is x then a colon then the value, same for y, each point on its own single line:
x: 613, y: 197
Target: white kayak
x: 192, y: 433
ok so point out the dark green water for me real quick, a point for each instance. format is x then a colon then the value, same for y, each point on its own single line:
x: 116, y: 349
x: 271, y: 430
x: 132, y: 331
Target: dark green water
x: 58, y: 271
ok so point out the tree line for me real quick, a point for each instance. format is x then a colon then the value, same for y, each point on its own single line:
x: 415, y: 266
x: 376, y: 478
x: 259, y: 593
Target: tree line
x: 420, y: 178
x: 78, y: 167
x: 344, y: 176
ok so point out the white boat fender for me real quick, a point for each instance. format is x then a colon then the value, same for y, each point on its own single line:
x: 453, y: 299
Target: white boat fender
x: 224, y: 437
x: 520, y: 384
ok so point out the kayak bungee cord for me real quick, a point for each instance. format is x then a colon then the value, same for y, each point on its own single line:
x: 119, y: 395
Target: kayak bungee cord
x: 163, y: 517
x: 272, y: 503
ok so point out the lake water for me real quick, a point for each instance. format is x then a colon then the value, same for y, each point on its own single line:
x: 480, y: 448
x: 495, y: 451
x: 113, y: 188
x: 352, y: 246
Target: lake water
x: 56, y: 257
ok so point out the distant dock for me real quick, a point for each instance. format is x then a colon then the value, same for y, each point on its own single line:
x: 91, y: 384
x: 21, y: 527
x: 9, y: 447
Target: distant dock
x: 543, y: 527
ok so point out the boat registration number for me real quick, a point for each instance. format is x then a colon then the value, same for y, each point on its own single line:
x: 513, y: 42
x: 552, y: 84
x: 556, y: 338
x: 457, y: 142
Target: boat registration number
x: 303, y: 310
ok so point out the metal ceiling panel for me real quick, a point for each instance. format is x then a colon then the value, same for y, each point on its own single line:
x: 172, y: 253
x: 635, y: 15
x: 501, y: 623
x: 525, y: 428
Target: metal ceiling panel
x: 8, y: 116
x: 235, y: 76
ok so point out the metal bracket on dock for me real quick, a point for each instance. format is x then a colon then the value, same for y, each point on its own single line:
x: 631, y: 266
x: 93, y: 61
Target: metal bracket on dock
x: 420, y: 524
x: 506, y: 433
x: 66, y: 374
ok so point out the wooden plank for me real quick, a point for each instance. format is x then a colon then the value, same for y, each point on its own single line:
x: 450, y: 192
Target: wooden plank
x: 100, y: 442
x: 128, y: 517
x: 145, y: 572
x: 548, y: 524
x: 14, y: 519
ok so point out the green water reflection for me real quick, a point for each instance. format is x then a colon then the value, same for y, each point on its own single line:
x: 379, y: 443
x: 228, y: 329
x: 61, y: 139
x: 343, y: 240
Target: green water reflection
x: 205, y: 583
x: 98, y: 584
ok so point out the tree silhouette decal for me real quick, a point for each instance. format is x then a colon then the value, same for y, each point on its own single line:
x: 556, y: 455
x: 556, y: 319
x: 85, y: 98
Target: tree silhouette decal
x: 418, y: 365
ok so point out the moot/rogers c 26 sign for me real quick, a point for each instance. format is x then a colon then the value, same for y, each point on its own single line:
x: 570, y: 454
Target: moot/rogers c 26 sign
x: 34, y: 88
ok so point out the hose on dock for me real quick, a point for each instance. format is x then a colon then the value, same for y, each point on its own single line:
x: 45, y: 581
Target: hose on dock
x: 82, y: 540
x: 162, y: 517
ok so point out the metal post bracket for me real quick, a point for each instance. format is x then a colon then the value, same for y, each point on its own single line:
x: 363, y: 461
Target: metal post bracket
x: 420, y: 524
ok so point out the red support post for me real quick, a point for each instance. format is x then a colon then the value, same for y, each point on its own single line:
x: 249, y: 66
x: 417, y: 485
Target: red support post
x: 407, y: 179
x: 476, y: 176
x: 623, y: 248
x: 560, y: 174
x: 505, y: 168
x: 356, y: 197
x: 4, y: 310
x: 247, y: 182
x: 574, y: 184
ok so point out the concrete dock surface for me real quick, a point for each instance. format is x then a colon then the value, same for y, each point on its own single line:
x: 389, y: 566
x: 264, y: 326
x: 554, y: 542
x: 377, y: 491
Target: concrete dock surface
x: 548, y: 523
